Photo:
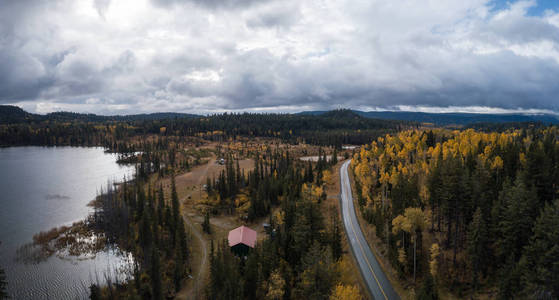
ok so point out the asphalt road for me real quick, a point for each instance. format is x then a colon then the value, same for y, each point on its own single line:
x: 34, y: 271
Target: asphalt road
x: 379, y: 286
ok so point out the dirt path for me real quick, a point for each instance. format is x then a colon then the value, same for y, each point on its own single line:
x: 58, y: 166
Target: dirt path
x: 192, y: 290
x: 188, y: 185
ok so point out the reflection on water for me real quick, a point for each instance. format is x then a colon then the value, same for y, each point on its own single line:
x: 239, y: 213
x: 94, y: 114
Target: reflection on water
x: 41, y: 188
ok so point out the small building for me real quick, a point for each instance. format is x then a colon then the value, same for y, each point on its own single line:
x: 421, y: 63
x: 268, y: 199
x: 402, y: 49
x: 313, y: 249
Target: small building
x: 241, y: 240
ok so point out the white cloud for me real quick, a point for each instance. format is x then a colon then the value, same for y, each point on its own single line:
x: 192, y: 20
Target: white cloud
x: 204, y: 56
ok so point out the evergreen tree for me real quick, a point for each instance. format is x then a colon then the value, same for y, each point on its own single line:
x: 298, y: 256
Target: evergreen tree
x: 206, y: 224
x: 225, y: 279
x: 251, y: 275
x: 318, y: 276
x: 146, y: 234
x: 160, y: 204
x: 334, y: 159
x: 336, y: 242
x: 3, y: 285
x: 428, y: 290
x: 182, y: 240
x: 540, y: 263
x: 477, y: 245
x: 94, y: 292
x: 178, y: 272
x: 509, y: 279
x: 157, y: 288
x: 515, y: 222
x: 175, y: 202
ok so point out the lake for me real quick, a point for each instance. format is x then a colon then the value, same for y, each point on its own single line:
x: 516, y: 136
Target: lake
x: 46, y: 187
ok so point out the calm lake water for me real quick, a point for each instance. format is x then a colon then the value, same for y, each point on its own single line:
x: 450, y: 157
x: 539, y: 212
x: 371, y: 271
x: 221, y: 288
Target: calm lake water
x: 42, y: 188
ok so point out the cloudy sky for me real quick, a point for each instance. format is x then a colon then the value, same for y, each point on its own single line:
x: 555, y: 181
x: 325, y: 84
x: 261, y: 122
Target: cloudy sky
x: 203, y: 56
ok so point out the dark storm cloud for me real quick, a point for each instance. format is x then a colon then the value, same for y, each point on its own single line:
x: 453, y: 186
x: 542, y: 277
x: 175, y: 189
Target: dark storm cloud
x: 23, y: 77
x: 199, y: 56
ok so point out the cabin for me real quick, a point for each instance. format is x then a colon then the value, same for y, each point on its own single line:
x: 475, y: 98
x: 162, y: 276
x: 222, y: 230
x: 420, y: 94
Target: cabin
x: 241, y: 240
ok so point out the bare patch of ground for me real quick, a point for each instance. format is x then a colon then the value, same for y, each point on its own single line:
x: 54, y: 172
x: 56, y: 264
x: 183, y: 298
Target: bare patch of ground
x: 190, y: 191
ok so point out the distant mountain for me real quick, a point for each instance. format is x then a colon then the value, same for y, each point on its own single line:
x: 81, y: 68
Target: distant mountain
x: 459, y: 118
x: 14, y: 114
x: 451, y: 118
x: 340, y: 113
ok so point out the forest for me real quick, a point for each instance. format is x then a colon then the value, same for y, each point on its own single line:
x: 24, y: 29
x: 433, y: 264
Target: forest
x: 300, y: 258
x: 3, y: 283
x: 457, y: 213
x: 151, y: 228
x: 468, y: 213
x: 333, y: 129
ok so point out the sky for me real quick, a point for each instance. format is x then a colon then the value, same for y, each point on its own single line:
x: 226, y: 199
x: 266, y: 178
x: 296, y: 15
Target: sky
x: 206, y: 56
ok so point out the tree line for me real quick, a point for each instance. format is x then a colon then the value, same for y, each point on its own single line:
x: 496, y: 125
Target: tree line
x: 333, y: 128
x: 3, y: 283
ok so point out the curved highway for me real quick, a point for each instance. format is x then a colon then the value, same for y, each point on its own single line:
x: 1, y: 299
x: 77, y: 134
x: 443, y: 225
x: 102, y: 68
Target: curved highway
x: 378, y: 285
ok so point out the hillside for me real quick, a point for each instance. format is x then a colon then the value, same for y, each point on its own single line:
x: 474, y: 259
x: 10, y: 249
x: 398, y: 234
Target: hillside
x: 459, y: 118
x: 443, y: 119
x: 12, y: 114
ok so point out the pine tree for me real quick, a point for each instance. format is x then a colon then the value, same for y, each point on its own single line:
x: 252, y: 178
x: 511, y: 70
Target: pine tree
x: 160, y: 205
x: 509, y: 279
x: 146, y: 233
x: 540, y: 263
x: 3, y: 285
x: 336, y: 238
x: 428, y: 290
x: 334, y: 159
x: 251, y: 275
x: 477, y: 245
x: 182, y: 240
x: 178, y: 273
x: 157, y: 289
x: 318, y: 276
x: 225, y: 278
x: 94, y: 292
x: 175, y: 202
x: 515, y: 223
x: 206, y: 224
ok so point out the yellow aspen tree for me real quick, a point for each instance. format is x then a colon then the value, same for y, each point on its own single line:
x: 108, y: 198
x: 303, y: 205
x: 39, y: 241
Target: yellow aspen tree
x: 346, y: 292
x: 435, y: 251
x: 276, y: 286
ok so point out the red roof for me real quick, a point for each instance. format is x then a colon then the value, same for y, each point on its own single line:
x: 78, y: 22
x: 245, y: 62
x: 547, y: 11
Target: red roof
x: 242, y: 235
